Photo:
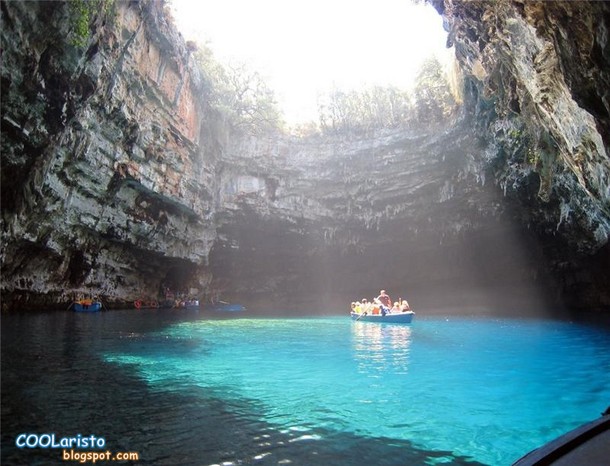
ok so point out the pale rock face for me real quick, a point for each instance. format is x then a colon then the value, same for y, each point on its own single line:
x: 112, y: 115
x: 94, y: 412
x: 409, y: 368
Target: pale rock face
x: 119, y: 179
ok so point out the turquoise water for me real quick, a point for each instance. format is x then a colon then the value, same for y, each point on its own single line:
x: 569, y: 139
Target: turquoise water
x: 456, y: 390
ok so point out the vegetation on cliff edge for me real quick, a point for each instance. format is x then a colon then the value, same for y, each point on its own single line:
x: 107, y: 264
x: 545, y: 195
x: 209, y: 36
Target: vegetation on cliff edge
x: 244, y: 99
x: 239, y: 93
x: 431, y: 101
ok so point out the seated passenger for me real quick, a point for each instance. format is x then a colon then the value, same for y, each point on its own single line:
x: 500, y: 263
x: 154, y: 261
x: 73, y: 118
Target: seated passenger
x: 382, y: 307
x: 404, y: 306
x: 366, y: 306
x: 396, y: 307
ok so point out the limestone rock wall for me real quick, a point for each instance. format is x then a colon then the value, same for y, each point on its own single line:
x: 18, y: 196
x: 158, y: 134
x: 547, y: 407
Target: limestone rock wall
x: 107, y: 176
x: 537, y: 79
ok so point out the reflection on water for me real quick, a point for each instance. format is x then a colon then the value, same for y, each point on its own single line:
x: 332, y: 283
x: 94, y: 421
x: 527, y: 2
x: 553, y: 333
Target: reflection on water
x: 379, y: 348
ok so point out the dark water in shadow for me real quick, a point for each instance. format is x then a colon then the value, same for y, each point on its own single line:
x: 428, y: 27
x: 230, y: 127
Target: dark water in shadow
x: 54, y: 381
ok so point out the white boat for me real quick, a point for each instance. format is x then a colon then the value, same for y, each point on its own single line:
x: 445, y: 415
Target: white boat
x: 389, y: 318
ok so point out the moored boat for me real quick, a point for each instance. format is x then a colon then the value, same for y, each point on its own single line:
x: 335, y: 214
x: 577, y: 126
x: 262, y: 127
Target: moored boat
x: 389, y: 318
x: 86, y: 305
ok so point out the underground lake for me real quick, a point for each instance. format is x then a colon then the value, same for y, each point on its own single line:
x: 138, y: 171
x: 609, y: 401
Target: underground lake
x: 181, y: 387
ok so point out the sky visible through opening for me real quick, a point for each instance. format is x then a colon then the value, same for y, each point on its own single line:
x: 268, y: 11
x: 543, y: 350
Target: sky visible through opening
x: 307, y: 48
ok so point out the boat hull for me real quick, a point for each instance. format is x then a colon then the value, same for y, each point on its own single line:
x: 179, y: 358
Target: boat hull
x: 402, y: 318
x: 95, y: 306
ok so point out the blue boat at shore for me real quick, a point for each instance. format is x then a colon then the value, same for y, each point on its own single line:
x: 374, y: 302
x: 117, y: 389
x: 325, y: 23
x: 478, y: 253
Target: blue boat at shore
x: 87, y: 305
x: 389, y: 318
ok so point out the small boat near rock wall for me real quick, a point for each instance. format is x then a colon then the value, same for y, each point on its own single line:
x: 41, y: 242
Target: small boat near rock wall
x: 86, y: 305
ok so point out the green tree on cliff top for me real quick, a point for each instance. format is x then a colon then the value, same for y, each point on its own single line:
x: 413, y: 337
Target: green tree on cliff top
x: 433, y: 97
x: 240, y: 94
x: 365, y: 110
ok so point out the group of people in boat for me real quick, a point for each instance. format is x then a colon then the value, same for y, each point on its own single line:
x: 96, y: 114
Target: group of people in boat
x: 382, y: 304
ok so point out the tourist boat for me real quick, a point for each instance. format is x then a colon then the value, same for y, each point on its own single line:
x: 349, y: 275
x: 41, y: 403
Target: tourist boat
x: 86, y: 305
x: 390, y: 318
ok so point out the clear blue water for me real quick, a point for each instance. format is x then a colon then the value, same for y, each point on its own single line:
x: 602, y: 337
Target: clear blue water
x: 184, y: 389
x: 482, y: 390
